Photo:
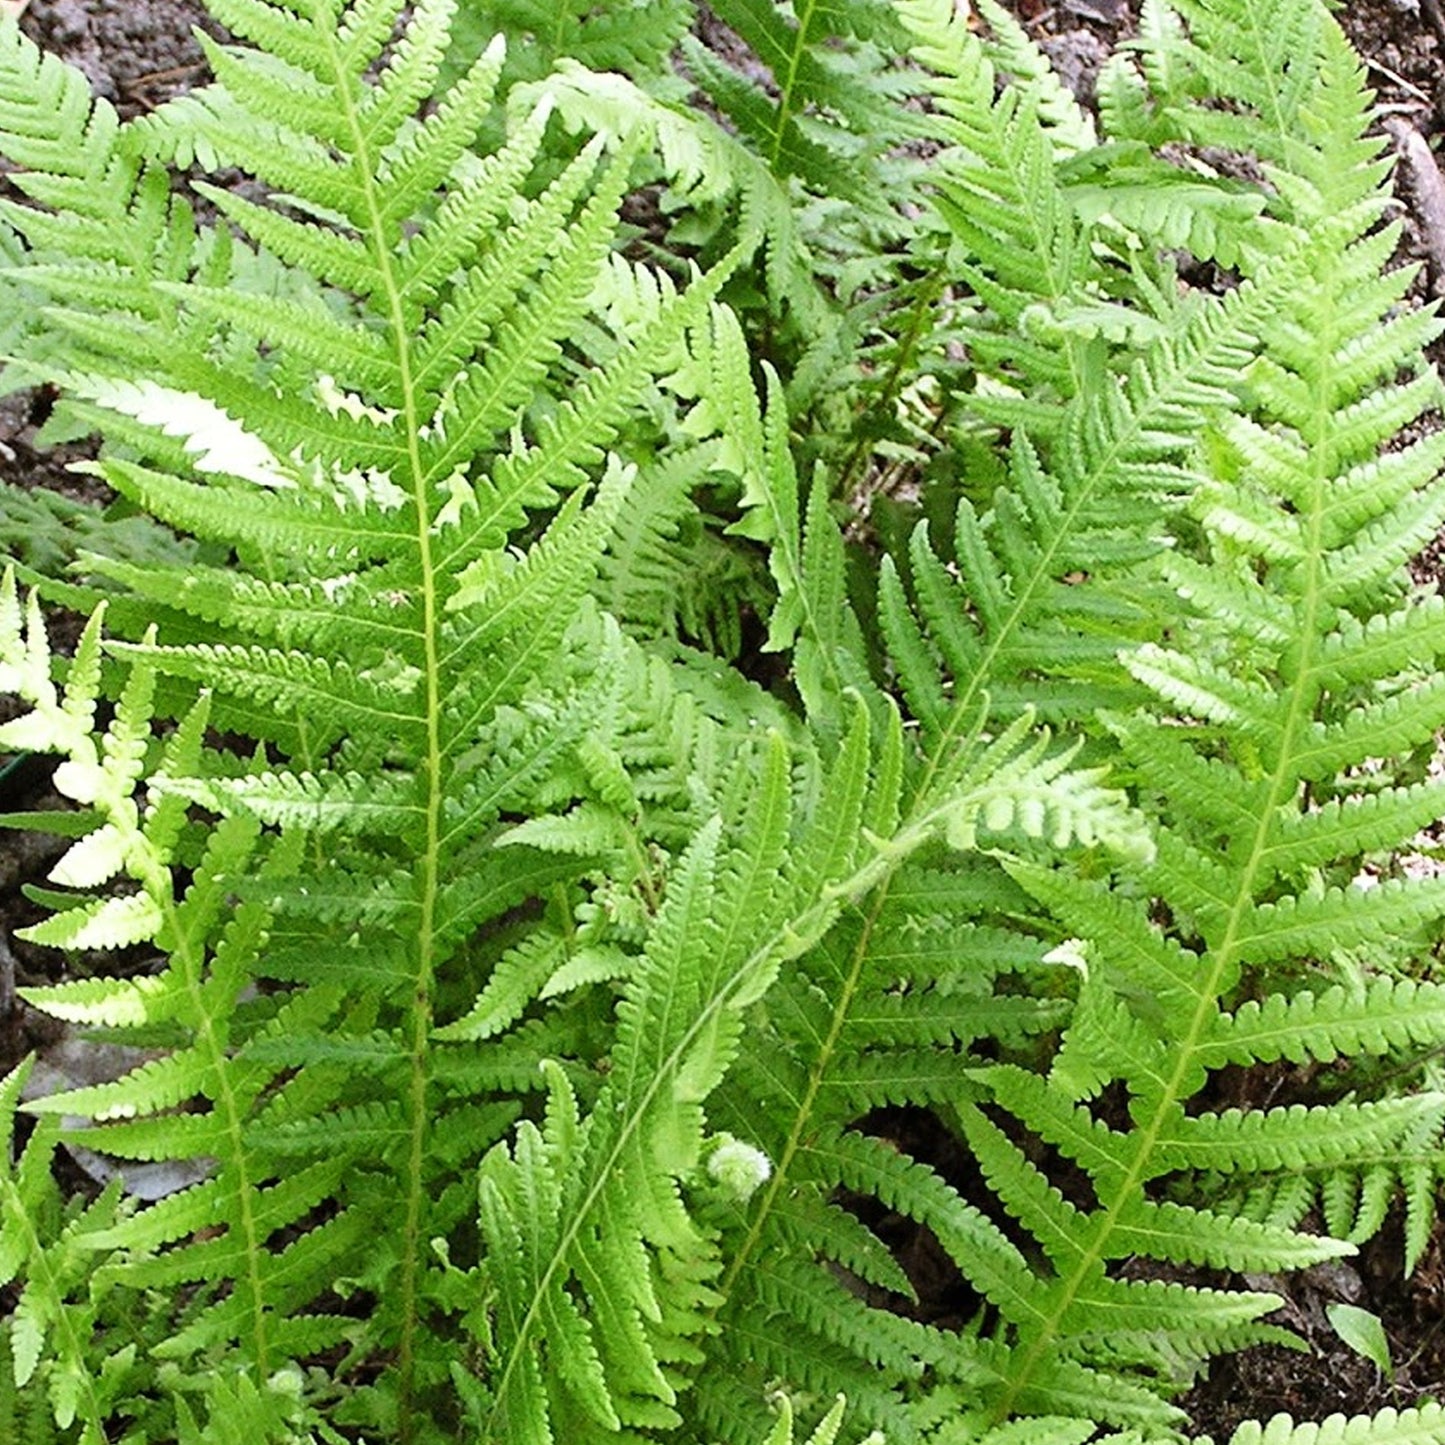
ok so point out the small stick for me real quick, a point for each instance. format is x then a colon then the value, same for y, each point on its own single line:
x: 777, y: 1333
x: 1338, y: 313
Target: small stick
x: 1399, y: 80
x: 7, y: 978
x: 1427, y: 186
x: 176, y: 72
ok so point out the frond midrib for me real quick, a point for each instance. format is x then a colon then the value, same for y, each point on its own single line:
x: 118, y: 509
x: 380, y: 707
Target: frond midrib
x: 428, y: 865
x: 1224, y: 957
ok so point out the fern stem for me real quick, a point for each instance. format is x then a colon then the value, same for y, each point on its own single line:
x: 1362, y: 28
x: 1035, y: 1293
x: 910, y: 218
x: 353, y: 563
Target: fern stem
x: 817, y: 1074
x: 1272, y: 106
x: 788, y: 85
x: 428, y: 865
x: 157, y: 881
x: 930, y: 289
x: 1299, y: 713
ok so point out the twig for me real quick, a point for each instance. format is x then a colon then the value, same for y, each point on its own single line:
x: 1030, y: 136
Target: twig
x: 1427, y: 187
x: 7, y: 979
x: 1399, y: 80
x: 159, y: 77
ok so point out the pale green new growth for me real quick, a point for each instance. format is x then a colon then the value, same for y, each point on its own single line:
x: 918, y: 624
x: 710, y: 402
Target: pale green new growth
x: 557, y: 861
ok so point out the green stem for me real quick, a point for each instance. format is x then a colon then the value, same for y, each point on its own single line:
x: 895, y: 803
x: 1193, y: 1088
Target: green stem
x: 787, y: 82
x: 930, y: 288
x: 428, y: 865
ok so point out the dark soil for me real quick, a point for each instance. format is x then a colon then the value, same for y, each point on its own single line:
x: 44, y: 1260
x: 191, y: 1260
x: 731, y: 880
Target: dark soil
x: 1331, y: 1378
x: 137, y: 55
x: 134, y: 55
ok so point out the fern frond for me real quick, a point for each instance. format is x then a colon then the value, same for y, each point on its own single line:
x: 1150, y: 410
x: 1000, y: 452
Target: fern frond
x: 630, y: 38
x: 1253, y: 870
x: 1037, y: 565
x: 807, y: 77
x: 544, y: 1005
x: 1379, y: 1429
x: 386, y: 494
x: 1386, y: 1015
x: 56, y: 1257
x: 47, y: 105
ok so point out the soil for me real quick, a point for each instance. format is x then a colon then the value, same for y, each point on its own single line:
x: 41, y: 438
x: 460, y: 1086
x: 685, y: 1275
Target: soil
x: 136, y: 56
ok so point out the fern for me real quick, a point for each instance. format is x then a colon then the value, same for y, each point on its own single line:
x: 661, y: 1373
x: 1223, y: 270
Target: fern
x: 416, y: 587
x: 532, y: 988
x: 629, y: 39
x: 1265, y: 728
x: 431, y: 399
x: 1083, y: 440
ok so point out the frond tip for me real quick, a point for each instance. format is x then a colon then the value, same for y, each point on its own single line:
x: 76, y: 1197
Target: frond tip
x: 1024, y: 787
x: 824, y: 1433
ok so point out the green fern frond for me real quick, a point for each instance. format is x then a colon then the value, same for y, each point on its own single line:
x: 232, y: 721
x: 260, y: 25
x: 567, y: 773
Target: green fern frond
x: 1254, y: 872
x: 56, y: 1256
x: 1388, y: 1425
x: 1015, y: 53
x: 545, y: 1005
x: 1038, y: 564
x: 810, y: 82
x: 630, y: 38
x: 669, y: 574
x: 1384, y: 1016
x: 47, y: 104
x: 1293, y: 1138
x: 386, y: 494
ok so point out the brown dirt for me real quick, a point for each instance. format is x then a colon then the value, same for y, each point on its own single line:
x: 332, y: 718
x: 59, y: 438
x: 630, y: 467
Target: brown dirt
x: 137, y: 55
x: 134, y: 55
x: 1331, y: 1378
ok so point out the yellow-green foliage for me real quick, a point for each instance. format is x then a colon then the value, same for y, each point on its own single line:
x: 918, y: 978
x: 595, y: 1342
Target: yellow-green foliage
x: 551, y: 835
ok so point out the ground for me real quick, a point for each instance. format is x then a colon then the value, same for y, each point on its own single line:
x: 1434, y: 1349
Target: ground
x: 137, y: 55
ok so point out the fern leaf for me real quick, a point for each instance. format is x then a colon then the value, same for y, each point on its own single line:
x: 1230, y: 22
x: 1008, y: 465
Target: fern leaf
x: 49, y: 104
x: 352, y: 803
x: 1343, y: 916
x: 1387, y: 1014
x: 476, y: 307
x: 1199, y: 1236
x: 1295, y: 1137
x: 270, y: 676
x: 55, y: 1269
x: 1380, y: 1429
